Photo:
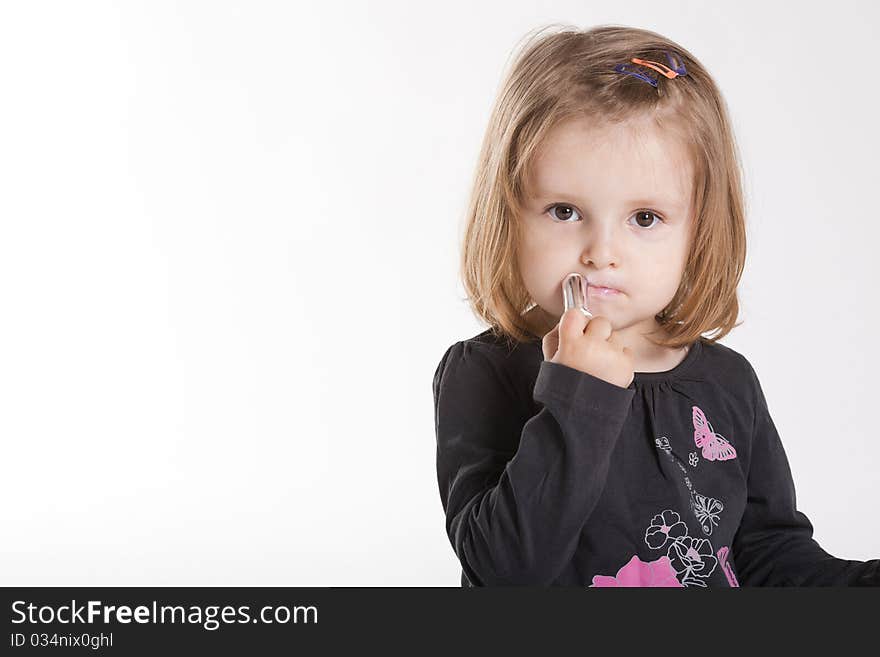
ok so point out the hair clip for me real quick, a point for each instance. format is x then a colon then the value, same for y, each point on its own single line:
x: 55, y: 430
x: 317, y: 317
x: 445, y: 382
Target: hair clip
x: 674, y: 60
x: 624, y: 68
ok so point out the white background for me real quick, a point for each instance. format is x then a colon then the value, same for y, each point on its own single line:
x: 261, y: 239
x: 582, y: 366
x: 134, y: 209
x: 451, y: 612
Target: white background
x: 228, y: 271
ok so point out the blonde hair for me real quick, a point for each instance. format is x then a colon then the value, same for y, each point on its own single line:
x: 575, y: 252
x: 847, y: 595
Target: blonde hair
x: 570, y: 73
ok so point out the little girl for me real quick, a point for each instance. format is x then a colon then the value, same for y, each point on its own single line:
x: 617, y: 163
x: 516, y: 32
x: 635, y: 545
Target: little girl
x: 618, y: 447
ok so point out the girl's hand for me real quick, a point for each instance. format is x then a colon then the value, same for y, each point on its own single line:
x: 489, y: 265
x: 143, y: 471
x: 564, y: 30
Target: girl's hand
x: 589, y: 345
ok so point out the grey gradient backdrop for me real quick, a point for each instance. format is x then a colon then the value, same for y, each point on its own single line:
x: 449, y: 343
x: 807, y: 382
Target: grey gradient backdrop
x: 228, y: 269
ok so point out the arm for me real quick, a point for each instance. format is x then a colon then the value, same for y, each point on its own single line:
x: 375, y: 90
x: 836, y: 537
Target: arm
x: 517, y: 492
x: 774, y: 545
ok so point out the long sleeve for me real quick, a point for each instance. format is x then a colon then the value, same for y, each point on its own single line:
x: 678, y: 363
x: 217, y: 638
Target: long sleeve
x: 517, y: 491
x: 774, y: 545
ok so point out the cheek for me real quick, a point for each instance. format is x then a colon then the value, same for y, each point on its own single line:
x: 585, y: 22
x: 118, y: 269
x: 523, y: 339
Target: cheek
x: 552, y: 247
x: 538, y: 252
x: 539, y: 268
x: 664, y: 261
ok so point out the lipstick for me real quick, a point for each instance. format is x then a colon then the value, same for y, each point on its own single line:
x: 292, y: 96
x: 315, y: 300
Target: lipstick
x: 574, y: 293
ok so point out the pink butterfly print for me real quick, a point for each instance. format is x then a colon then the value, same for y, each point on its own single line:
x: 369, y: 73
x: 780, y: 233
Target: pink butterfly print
x: 715, y: 447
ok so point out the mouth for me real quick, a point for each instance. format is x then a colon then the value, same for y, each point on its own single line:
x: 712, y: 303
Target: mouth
x: 598, y: 290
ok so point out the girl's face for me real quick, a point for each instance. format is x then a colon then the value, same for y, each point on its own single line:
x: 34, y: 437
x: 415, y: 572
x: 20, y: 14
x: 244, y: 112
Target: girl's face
x: 613, y: 203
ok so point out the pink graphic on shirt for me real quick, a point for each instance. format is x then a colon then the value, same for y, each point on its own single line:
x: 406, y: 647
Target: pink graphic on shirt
x: 715, y: 447
x: 726, y: 567
x: 636, y: 572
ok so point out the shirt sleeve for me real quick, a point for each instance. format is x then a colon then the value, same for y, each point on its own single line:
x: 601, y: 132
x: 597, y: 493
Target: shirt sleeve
x: 517, y: 491
x: 774, y: 544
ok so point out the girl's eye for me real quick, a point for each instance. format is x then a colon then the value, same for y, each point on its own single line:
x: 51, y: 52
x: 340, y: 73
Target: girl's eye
x: 565, y: 215
x: 644, y: 218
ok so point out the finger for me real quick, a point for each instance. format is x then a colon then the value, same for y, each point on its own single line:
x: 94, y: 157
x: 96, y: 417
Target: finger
x: 599, y: 327
x: 613, y: 339
x: 572, y: 324
x: 550, y: 343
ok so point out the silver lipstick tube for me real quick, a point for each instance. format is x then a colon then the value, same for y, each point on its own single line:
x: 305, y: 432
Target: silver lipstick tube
x: 574, y: 293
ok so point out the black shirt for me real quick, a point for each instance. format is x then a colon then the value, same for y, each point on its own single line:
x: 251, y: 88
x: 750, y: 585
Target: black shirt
x: 551, y: 476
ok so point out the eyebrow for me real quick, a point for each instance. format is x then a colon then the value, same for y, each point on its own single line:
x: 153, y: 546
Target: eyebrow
x: 644, y: 201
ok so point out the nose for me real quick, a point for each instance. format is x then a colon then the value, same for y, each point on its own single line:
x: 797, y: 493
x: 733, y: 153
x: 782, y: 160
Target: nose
x: 599, y: 248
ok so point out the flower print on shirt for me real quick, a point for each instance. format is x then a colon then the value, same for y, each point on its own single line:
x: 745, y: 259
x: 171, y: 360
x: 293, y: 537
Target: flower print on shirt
x: 692, y: 559
x: 693, y: 459
x: 665, y: 526
x: 706, y: 509
x: 636, y: 572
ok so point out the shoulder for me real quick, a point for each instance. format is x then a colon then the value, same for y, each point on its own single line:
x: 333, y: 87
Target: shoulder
x: 732, y: 371
x: 490, y: 346
x: 487, y: 359
x: 726, y: 362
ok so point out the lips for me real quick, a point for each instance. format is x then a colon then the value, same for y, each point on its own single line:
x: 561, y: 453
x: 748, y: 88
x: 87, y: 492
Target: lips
x: 601, y: 282
x: 598, y: 290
